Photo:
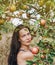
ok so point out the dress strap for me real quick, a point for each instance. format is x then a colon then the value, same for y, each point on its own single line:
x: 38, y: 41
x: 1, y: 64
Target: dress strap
x: 22, y: 50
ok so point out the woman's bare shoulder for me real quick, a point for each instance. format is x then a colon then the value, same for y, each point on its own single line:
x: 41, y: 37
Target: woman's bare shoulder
x: 24, y: 55
x: 20, y: 58
x: 20, y: 54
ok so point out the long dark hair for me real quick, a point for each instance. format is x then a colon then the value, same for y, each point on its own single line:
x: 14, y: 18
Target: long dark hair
x: 15, y: 45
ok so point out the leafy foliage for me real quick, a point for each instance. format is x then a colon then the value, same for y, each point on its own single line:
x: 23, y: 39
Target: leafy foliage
x: 46, y: 45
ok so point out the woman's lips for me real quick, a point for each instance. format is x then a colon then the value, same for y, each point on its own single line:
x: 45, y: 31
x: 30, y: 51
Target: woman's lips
x: 28, y: 41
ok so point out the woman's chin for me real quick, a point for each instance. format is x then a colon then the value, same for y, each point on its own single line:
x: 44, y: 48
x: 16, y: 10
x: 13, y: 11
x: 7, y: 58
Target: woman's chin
x: 28, y: 44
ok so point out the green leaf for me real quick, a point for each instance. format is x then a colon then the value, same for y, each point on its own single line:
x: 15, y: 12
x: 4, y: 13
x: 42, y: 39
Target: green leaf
x: 0, y: 0
x: 36, y: 22
x: 29, y: 62
x: 52, y: 54
x: 50, y: 59
x: 40, y: 64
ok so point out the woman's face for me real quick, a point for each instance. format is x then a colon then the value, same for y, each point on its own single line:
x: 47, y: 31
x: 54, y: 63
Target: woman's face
x: 24, y: 36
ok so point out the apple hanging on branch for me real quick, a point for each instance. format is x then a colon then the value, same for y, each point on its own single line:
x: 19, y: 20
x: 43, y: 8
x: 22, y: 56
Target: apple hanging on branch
x: 1, y: 21
x: 42, y: 22
x: 43, y: 56
x: 35, y: 50
x: 12, y: 8
x: 34, y: 64
x: 25, y: 7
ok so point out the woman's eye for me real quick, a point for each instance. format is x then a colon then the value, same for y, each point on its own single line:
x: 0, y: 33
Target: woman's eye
x: 28, y: 33
x: 23, y: 35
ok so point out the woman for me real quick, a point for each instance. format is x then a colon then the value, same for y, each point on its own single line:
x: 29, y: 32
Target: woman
x: 20, y: 50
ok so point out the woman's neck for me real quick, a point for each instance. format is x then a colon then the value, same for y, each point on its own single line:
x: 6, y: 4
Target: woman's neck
x: 23, y: 47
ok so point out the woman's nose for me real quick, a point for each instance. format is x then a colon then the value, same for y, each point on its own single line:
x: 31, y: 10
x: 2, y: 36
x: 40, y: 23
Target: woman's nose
x: 27, y: 37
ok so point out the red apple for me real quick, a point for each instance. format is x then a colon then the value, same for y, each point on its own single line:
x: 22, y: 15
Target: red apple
x: 35, y: 50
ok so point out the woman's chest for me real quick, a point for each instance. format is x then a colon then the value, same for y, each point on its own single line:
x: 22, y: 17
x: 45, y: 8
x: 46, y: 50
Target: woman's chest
x: 29, y: 55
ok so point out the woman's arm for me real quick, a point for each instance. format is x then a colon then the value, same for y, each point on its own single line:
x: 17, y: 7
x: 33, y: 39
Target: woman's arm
x: 22, y: 57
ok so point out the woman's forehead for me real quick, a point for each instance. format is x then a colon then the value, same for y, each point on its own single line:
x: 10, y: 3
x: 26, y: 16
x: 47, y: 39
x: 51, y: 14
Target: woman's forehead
x: 24, y: 30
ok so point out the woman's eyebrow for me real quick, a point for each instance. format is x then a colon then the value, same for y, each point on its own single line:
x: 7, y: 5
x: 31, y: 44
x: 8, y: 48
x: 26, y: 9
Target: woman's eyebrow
x: 28, y: 33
